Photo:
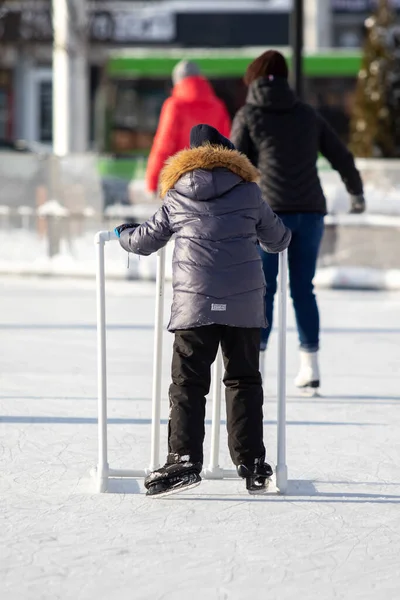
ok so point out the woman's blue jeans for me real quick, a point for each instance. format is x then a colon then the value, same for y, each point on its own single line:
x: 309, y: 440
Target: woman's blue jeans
x: 307, y: 230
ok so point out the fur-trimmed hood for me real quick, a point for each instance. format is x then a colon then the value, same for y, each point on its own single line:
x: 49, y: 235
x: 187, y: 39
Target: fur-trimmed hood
x: 205, y: 158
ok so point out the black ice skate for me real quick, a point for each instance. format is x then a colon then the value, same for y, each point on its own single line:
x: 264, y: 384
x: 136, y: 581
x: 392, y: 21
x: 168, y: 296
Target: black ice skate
x: 257, y: 476
x: 173, y: 478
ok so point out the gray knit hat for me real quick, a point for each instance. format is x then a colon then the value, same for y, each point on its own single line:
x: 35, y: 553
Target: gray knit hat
x: 184, y: 69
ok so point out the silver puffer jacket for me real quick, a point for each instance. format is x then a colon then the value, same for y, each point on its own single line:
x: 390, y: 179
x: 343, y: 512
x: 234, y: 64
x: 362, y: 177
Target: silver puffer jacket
x: 214, y: 210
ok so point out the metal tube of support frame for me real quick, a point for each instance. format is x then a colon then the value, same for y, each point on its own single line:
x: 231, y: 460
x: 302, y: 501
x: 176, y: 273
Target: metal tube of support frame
x: 216, y: 417
x: 157, y: 362
x: 281, y: 468
x: 102, y: 467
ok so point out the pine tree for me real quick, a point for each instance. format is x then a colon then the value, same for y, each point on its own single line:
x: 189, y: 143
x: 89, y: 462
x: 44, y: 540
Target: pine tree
x: 375, y: 123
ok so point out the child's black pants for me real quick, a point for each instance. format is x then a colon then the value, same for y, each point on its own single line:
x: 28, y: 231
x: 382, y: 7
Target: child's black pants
x: 194, y: 352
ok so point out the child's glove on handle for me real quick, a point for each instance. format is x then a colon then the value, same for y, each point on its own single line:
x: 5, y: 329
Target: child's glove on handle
x: 118, y: 230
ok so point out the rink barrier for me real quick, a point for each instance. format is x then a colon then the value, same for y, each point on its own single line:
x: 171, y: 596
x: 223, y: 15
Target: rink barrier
x: 103, y: 472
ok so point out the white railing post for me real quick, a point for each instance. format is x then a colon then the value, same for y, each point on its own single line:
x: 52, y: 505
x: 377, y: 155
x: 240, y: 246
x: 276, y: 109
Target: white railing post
x: 157, y: 362
x: 214, y: 470
x: 281, y: 467
x: 102, y: 463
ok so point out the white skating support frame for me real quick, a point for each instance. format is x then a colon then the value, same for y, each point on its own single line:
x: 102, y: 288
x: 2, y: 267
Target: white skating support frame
x: 103, y: 472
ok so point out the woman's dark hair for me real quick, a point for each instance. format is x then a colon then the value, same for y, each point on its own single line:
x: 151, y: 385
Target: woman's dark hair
x: 270, y: 63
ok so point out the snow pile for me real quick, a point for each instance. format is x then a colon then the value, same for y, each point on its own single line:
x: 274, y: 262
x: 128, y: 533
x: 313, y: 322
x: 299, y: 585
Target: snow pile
x: 25, y: 253
x: 379, y: 201
x: 381, y: 188
x: 52, y: 208
x: 358, y: 278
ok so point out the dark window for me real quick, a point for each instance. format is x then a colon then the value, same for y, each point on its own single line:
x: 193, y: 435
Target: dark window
x: 46, y: 112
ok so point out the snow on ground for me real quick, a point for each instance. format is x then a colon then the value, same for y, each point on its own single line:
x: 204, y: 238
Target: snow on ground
x: 336, y: 534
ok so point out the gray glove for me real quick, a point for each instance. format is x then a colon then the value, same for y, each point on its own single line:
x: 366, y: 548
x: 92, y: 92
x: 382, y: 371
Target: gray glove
x: 357, y: 204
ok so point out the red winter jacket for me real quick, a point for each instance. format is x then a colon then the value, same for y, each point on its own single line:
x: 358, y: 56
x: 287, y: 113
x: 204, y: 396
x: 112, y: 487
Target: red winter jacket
x: 193, y: 101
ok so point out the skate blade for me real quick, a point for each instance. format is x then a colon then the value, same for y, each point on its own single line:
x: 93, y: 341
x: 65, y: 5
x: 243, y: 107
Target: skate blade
x: 309, y: 392
x: 260, y: 491
x: 176, y: 490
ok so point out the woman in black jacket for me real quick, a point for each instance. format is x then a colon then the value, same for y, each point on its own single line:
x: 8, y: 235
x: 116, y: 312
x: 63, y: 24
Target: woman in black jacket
x: 282, y: 136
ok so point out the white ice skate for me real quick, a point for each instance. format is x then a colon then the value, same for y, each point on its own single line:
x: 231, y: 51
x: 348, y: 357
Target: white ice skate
x: 308, y: 376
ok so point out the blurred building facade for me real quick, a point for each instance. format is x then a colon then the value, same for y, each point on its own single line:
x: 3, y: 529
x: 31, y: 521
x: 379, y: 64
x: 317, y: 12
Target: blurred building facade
x: 348, y: 17
x: 26, y: 45
x: 26, y: 42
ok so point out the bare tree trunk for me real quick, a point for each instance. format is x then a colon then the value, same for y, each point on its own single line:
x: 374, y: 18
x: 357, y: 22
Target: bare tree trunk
x: 70, y: 80
x: 80, y: 81
x: 62, y: 112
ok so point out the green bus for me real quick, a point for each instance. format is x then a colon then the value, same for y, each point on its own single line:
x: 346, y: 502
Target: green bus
x: 136, y: 82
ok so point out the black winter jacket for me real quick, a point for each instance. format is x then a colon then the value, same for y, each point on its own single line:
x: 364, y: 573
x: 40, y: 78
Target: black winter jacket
x: 282, y: 137
x: 215, y: 211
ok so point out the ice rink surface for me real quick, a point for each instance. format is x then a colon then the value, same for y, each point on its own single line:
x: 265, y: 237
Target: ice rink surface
x: 336, y: 534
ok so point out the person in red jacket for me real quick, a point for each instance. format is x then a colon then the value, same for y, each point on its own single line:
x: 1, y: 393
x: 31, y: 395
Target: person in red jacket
x: 193, y: 101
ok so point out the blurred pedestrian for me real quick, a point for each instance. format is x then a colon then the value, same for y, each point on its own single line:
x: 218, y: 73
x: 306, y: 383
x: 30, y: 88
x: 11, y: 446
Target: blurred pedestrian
x: 193, y: 101
x: 282, y: 136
